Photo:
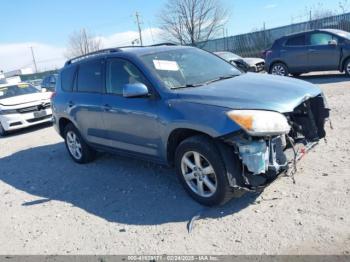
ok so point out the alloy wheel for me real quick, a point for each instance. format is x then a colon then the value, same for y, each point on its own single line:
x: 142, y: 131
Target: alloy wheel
x: 278, y: 70
x: 74, y: 145
x: 199, y: 174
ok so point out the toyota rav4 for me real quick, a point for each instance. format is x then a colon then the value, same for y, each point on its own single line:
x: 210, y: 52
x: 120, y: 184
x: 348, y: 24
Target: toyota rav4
x: 224, y: 131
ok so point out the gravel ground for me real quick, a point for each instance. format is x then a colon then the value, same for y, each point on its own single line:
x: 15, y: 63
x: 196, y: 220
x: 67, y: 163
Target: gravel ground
x: 49, y: 205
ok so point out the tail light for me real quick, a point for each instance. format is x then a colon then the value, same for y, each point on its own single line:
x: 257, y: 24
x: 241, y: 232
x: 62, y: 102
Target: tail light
x: 268, y: 53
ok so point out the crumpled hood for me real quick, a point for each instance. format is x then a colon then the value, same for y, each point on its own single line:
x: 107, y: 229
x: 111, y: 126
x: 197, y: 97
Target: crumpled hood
x: 253, y: 91
x: 24, y: 99
x: 253, y: 61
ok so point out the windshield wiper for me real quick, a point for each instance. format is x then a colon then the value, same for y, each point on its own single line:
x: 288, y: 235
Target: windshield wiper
x: 219, y: 79
x: 187, y: 86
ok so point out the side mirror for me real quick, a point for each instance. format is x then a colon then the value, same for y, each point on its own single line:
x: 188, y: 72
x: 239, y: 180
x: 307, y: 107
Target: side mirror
x: 333, y: 42
x: 135, y: 90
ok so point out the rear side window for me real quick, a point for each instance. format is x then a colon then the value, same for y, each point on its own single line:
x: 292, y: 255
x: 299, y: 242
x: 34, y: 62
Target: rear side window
x: 90, y: 77
x: 296, y: 41
x: 67, y: 78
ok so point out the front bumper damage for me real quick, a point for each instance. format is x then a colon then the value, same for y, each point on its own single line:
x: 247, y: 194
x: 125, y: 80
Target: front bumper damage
x: 263, y: 159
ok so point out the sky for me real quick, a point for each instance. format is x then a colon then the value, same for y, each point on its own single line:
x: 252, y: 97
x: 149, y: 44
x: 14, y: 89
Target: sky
x: 46, y: 25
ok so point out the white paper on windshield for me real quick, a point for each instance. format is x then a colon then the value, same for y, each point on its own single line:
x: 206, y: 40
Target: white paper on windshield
x: 166, y: 65
x: 1, y: 93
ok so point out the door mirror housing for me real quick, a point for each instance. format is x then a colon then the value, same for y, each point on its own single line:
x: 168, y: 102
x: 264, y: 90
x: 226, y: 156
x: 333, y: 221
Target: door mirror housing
x: 135, y: 90
x: 333, y: 42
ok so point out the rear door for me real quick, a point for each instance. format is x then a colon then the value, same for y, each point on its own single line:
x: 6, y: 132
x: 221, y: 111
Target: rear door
x: 322, y: 55
x: 85, y: 103
x: 294, y: 53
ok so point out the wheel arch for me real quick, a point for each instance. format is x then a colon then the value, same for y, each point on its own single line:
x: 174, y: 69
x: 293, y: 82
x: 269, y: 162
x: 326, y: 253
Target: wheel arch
x: 62, y: 123
x: 176, y: 137
x: 346, y: 59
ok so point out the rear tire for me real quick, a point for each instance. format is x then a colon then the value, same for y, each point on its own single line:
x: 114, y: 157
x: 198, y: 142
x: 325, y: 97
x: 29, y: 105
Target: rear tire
x: 201, y: 170
x: 279, y: 69
x: 347, y: 67
x: 77, y: 148
x: 2, y: 130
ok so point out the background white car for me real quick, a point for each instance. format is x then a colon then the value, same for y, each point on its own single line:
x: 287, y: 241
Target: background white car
x: 22, y: 105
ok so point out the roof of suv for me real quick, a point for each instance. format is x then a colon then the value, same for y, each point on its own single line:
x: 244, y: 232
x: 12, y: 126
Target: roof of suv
x: 137, y: 50
x: 332, y: 31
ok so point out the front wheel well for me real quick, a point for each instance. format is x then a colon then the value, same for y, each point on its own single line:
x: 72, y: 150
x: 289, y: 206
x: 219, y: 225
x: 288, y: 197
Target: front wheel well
x: 176, y: 137
x: 344, y: 63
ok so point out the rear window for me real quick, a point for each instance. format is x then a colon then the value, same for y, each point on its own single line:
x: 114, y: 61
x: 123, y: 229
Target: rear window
x: 90, y: 77
x: 296, y: 41
x: 67, y: 78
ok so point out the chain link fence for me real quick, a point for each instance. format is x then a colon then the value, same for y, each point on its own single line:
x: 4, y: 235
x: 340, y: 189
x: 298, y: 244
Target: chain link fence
x: 252, y: 44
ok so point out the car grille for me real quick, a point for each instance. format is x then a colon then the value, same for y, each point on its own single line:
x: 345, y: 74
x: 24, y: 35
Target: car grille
x: 34, y: 108
x: 260, y: 66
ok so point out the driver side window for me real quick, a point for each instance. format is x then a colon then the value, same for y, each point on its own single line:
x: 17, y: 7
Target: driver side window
x: 321, y: 39
x: 119, y: 73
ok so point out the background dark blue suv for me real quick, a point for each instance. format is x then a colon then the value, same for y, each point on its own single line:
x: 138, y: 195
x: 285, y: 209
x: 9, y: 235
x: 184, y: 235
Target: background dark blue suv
x: 318, y: 50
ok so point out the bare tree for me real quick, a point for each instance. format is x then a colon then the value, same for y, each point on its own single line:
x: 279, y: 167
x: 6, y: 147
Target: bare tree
x: 344, y: 6
x: 318, y: 11
x: 192, y: 21
x: 82, y: 42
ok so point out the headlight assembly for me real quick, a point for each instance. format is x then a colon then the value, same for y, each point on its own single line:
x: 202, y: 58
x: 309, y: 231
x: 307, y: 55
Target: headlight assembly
x: 260, y: 123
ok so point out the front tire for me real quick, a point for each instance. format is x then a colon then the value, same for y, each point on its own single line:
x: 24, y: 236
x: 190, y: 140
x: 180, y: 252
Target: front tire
x: 347, y: 67
x: 201, y: 170
x: 279, y: 69
x: 77, y: 148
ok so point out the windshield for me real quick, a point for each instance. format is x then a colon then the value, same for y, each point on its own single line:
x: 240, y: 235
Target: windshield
x: 188, y: 67
x: 17, y: 90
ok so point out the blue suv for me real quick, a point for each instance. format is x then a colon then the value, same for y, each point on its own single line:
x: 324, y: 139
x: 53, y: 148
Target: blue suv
x: 225, y: 132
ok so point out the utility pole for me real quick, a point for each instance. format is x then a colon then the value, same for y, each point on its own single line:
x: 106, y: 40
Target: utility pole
x: 36, y: 69
x: 139, y: 26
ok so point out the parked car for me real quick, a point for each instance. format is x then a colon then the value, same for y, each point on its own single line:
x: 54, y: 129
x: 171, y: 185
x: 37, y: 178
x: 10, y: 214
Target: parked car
x: 317, y: 50
x: 225, y: 132
x: 36, y: 83
x: 22, y: 105
x: 247, y: 64
x: 49, y: 82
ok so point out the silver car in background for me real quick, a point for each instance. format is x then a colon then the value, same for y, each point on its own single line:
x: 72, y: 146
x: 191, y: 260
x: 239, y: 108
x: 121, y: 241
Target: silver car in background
x: 247, y: 64
x: 22, y: 105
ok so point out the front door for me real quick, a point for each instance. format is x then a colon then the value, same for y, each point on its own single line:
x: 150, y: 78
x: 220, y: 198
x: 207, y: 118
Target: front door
x: 322, y: 55
x: 131, y: 123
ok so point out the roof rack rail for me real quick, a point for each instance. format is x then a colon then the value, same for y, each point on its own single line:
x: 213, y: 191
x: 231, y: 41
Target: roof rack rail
x: 102, y: 51
x: 166, y: 43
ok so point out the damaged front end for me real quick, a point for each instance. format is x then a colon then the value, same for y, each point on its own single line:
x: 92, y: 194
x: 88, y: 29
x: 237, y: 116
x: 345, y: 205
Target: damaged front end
x: 266, y: 155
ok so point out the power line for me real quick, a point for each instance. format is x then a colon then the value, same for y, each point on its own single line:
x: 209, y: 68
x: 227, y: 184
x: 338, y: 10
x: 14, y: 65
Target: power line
x: 36, y: 68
